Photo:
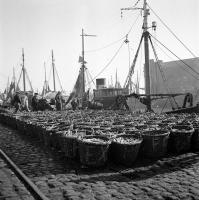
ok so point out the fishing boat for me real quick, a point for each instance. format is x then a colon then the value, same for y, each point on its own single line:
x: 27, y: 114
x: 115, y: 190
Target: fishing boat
x: 14, y: 86
x: 108, y: 95
x: 48, y: 93
x: 148, y: 97
x: 100, y: 97
x: 117, y: 97
x: 25, y: 76
x: 80, y: 92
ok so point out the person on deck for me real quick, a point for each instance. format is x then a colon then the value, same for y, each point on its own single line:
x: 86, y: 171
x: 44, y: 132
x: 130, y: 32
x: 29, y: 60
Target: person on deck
x: 25, y: 103
x: 35, y: 102
x: 59, y: 101
x: 74, y: 103
x: 17, y: 102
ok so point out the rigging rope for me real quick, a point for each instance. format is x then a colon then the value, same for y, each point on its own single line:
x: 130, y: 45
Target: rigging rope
x: 173, y: 33
x: 129, y: 59
x: 91, y: 78
x: 175, y: 55
x: 133, y: 24
x: 58, y: 79
x: 162, y: 73
x: 131, y: 71
x: 156, y: 71
x: 106, y: 46
x: 86, y: 72
x: 164, y: 105
x: 113, y: 43
x: 49, y: 75
x: 177, y: 63
x: 19, y: 79
x: 108, y: 63
x: 140, y: 71
x: 136, y: 3
x: 28, y: 79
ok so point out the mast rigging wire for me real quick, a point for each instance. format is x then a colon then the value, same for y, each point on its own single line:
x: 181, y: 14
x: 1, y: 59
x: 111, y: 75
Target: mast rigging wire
x: 49, y: 75
x: 106, y: 46
x: 108, y: 62
x: 28, y: 80
x: 19, y: 79
x: 91, y: 78
x: 175, y: 55
x: 177, y: 62
x: 112, y: 43
x: 87, y: 76
x: 173, y: 33
x: 162, y: 73
x: 133, y: 24
x: 58, y: 79
x: 164, y: 105
x: 136, y: 3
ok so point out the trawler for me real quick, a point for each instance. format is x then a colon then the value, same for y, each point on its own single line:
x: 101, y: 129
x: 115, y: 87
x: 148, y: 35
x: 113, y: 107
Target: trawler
x: 110, y: 97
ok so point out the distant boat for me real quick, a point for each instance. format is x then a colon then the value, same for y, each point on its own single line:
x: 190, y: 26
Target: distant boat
x: 107, y: 96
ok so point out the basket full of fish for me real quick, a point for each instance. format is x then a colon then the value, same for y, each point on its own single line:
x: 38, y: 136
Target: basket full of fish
x: 93, y: 150
x: 124, y: 148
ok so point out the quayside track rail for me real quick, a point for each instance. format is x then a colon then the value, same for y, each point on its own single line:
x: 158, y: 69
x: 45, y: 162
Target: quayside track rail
x: 31, y: 187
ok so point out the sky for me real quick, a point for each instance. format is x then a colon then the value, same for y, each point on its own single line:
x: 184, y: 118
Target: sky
x: 39, y: 26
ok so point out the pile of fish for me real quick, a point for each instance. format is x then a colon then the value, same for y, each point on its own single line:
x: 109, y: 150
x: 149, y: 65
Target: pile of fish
x: 127, y: 140
x: 94, y: 140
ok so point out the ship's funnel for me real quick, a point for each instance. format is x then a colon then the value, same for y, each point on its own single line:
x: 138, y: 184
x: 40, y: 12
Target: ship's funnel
x: 100, y: 83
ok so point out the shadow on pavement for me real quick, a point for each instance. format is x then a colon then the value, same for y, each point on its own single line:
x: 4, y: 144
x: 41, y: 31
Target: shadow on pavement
x: 143, y: 169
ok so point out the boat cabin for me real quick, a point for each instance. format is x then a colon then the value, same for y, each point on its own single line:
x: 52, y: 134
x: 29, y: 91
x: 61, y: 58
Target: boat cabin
x: 107, y: 96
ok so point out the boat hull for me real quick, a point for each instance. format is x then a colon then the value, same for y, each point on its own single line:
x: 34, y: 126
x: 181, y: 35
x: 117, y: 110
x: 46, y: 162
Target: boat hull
x: 193, y: 109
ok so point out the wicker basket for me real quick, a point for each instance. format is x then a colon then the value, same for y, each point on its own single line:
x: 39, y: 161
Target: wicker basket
x: 70, y: 146
x: 180, y: 138
x: 195, y: 138
x: 93, y: 154
x: 125, y: 153
x: 154, y: 143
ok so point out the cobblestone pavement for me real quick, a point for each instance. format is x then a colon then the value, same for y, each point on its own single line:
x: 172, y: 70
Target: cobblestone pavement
x: 30, y: 155
x: 10, y: 186
x: 174, y: 177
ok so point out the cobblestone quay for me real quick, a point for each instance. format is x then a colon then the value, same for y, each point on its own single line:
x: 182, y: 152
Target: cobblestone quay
x: 173, y: 177
x: 10, y: 186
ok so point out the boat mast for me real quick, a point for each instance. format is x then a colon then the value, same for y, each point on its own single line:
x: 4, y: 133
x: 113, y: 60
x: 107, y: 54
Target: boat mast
x: 83, y: 61
x: 24, y: 72
x: 83, y: 65
x: 53, y: 66
x: 8, y: 86
x: 146, y: 47
x: 14, y: 79
x: 45, y: 81
x: 45, y: 72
